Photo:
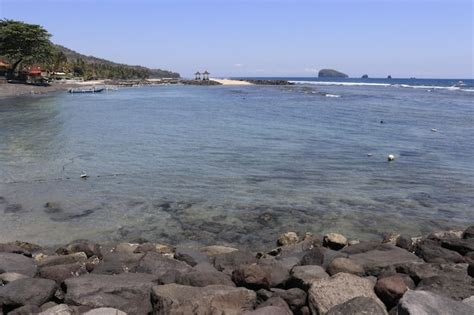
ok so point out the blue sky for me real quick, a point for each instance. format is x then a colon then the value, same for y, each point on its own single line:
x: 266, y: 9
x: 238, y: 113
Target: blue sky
x: 404, y: 38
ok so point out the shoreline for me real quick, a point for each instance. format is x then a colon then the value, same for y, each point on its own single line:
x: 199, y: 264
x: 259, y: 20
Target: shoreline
x: 303, y: 274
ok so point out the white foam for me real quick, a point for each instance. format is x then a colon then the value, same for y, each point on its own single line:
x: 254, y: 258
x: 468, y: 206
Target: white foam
x: 332, y: 95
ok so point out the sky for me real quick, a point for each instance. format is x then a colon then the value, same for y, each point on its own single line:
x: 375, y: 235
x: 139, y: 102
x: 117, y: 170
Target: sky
x: 404, y: 38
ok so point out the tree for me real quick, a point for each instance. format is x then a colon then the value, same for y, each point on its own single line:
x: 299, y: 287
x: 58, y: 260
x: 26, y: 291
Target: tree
x: 22, y: 42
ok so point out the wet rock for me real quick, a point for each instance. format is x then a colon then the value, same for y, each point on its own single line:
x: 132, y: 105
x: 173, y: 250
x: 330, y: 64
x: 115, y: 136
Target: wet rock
x: 176, y: 299
x: 215, y: 250
x: 462, y: 246
x: 8, y: 277
x: 303, y: 276
x: 105, y: 311
x: 63, y: 259
x: 422, y: 302
x: 358, y: 306
x: 432, y: 252
x: 390, y: 238
x: 315, y: 256
x: 421, y: 270
x: 294, y: 251
x: 361, y: 247
x: 391, y: 289
x: 278, y: 272
x: 288, y: 238
x: 12, y: 248
x: 30, y: 291
x: 159, y: 265
x: 117, y: 263
x: 59, y: 273
x: 341, y: 264
x: 442, y: 235
x: 81, y: 246
x: 251, y: 276
x: 229, y: 261
x: 334, y: 241
x: 342, y: 287
x: 384, y: 256
x: 457, y: 289
x: 468, y: 233
x: 127, y: 292
x: 17, y: 263
x: 202, y: 279
x: 190, y: 256
x: 405, y: 242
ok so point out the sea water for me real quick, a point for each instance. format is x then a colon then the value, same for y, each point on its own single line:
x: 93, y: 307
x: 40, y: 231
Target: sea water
x: 238, y: 165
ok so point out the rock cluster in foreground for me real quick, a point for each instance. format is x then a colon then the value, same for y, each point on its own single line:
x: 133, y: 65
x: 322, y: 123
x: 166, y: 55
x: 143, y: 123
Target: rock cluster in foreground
x: 332, y: 275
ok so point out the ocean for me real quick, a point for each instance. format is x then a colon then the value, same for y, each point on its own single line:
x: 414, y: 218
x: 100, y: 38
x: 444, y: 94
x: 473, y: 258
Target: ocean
x: 238, y: 165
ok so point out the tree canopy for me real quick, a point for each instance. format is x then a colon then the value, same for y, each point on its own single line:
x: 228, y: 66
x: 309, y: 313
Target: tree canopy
x: 22, y: 42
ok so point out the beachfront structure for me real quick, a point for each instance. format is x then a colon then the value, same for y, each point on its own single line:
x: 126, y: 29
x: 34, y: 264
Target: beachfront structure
x: 197, y: 75
x: 205, y: 75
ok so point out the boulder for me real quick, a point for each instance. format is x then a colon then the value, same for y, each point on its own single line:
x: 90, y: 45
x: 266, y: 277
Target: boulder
x: 405, y: 242
x: 275, y: 301
x: 360, y: 305
x: 421, y: 270
x: 128, y: 292
x: 18, y: 263
x: 251, y: 276
x: 14, y: 249
x: 117, y: 263
x: 81, y: 246
x: 31, y: 291
x: 384, y: 256
x: 327, y: 293
x: 277, y: 271
x: 334, y: 241
x: 80, y: 257
x: 391, y: 289
x: 8, y: 277
x: 455, y: 288
x: 202, y: 279
x: 462, y: 246
x: 442, y: 235
x: 288, y: 238
x: 295, y: 297
x: 468, y: 233
x: 229, y: 261
x: 432, y: 252
x: 420, y: 302
x: 190, y: 256
x: 347, y: 265
x: 314, y: 256
x: 303, y: 276
x: 174, y: 299
x: 25, y: 310
x: 59, y: 273
x: 269, y: 310
x: 59, y: 309
x: 162, y: 266
x: 361, y: 247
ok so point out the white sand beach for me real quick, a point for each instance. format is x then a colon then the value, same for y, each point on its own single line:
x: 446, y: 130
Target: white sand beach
x: 231, y: 82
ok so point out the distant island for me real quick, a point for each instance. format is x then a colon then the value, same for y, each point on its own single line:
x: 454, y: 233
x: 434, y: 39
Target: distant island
x: 330, y: 73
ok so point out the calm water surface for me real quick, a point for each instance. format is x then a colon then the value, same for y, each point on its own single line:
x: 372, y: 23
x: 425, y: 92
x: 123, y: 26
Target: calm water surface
x: 235, y: 165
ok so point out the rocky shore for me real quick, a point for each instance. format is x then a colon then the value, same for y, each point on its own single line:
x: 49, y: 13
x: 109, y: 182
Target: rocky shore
x: 305, y: 274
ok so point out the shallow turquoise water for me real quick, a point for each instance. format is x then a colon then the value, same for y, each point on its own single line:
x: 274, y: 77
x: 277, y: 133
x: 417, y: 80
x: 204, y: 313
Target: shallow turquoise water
x: 235, y: 165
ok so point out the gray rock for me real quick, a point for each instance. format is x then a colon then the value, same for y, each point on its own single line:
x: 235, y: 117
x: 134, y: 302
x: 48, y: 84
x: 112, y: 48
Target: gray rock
x: 13, y: 248
x: 190, y: 256
x: 31, y: 291
x: 469, y: 301
x: 214, y: 250
x: 8, y: 277
x: 468, y: 233
x: 81, y: 246
x: 288, y: 238
x: 405, y: 242
x: 18, y: 263
x: 327, y: 293
x: 174, y: 299
x: 128, y: 292
x: 105, y: 311
x: 384, y: 256
x: 421, y: 270
x: 63, y: 259
x: 275, y: 301
x: 278, y: 272
x: 269, y: 310
x: 462, y: 246
x: 391, y: 289
x: 432, y: 252
x: 334, y: 241
x: 59, y: 309
x: 25, y: 310
x: 303, y: 276
x: 315, y: 256
x: 347, y: 265
x: 202, y: 279
x: 59, y: 273
x: 361, y: 247
x: 251, y: 276
x: 229, y: 261
x: 457, y: 289
x: 117, y: 263
x: 427, y: 303
x: 295, y: 297
x: 360, y: 305
x: 162, y: 266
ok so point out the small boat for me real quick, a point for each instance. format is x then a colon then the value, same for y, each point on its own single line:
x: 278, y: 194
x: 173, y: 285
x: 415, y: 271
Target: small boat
x: 460, y: 84
x: 89, y: 90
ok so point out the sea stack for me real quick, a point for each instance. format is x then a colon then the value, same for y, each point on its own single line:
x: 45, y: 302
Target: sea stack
x: 330, y: 73
x: 365, y: 76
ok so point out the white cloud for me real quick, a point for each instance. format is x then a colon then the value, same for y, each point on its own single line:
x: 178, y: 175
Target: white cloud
x: 238, y: 65
x: 312, y: 70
